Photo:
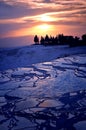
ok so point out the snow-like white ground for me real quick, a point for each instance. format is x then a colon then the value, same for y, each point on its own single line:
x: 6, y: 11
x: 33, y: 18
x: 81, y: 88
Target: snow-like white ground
x: 34, y: 79
x: 25, y: 56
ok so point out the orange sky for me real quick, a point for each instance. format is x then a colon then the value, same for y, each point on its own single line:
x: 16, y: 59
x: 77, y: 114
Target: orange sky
x: 29, y: 17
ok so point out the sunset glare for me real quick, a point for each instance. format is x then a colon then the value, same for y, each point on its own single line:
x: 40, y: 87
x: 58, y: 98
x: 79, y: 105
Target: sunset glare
x: 43, y: 29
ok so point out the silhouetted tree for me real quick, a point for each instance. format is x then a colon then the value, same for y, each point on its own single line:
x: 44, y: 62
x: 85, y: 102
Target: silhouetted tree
x: 77, y: 41
x: 61, y: 40
x: 46, y: 40
x: 84, y: 39
x: 70, y: 41
x: 42, y: 40
x: 36, y: 39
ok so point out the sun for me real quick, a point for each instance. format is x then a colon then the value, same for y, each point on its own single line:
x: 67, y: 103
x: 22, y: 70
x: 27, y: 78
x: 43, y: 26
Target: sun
x: 44, y: 27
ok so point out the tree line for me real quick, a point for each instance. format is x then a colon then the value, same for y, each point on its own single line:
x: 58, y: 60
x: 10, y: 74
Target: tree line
x: 61, y: 39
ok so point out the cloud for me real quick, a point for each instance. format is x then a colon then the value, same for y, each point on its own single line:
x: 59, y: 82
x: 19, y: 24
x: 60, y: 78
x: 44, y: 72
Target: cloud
x: 22, y: 14
x: 17, y: 8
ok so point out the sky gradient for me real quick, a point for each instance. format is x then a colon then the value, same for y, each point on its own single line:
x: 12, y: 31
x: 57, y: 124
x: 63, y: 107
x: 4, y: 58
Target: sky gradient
x: 19, y: 18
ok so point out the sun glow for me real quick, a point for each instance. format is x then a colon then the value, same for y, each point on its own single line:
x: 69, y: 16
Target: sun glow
x: 43, y: 29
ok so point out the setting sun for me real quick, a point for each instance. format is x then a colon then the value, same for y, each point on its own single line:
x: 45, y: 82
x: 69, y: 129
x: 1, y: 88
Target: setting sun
x: 44, y: 27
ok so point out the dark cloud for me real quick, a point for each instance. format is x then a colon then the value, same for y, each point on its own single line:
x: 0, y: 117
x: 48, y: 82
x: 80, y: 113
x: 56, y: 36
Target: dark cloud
x: 21, y: 9
x: 18, y: 14
x: 4, y: 4
x: 47, y: 1
x: 8, y: 11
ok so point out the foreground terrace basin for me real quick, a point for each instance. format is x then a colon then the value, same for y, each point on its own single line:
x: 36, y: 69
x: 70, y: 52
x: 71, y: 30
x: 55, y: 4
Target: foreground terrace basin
x: 44, y: 96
